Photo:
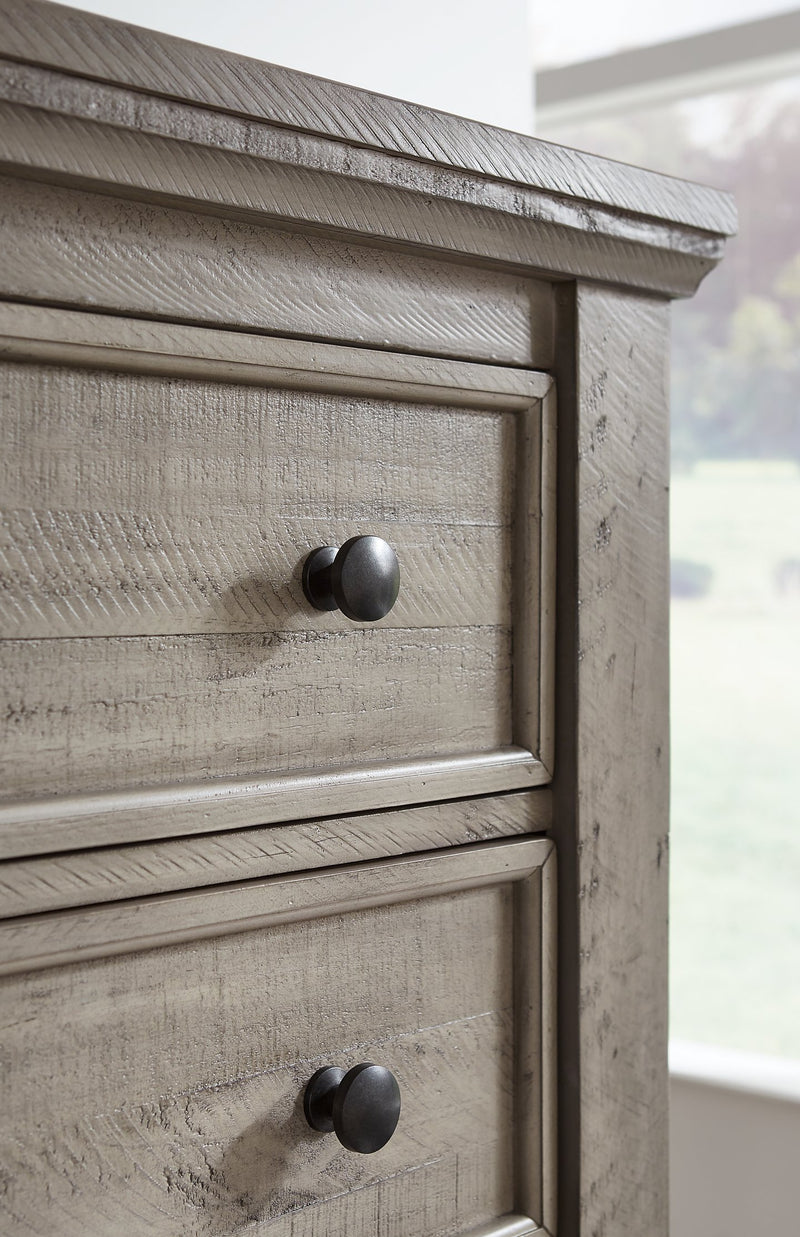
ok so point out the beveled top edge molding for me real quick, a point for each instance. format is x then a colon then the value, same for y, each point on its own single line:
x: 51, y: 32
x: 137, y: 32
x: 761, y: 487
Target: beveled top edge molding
x: 87, y: 45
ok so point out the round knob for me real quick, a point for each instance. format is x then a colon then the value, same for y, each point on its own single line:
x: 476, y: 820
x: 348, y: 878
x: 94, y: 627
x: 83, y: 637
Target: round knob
x: 361, y: 578
x: 362, y: 1106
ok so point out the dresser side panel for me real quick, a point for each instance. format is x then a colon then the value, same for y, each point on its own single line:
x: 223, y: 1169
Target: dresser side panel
x: 611, y: 815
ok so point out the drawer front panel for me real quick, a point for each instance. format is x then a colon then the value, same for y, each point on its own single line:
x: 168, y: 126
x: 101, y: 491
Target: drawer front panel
x: 158, y: 511
x: 163, y: 1088
x: 176, y: 709
x: 166, y: 506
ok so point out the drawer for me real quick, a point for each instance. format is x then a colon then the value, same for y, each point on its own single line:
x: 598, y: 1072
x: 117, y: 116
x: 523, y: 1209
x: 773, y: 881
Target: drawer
x: 160, y: 1069
x: 164, y: 486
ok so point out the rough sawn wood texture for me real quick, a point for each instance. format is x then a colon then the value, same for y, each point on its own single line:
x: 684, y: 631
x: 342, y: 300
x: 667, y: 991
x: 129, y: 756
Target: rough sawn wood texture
x: 612, y: 787
x: 169, y: 519
x: 194, y: 1121
x: 157, y: 64
x: 107, y: 874
x: 63, y: 244
x: 243, y: 312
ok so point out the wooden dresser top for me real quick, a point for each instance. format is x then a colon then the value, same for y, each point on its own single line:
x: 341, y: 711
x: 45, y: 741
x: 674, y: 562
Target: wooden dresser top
x: 348, y: 156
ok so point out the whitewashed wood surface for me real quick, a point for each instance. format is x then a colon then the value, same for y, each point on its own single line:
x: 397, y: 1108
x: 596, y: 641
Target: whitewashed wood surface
x: 159, y: 65
x: 112, y: 873
x: 66, y: 246
x: 196, y: 1117
x: 611, y: 810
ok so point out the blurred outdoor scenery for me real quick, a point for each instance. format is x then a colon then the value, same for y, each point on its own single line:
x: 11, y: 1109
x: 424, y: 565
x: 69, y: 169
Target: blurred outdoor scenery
x: 735, y: 530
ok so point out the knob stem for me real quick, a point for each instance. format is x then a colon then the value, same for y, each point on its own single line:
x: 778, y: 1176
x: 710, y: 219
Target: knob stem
x: 319, y: 1096
x: 317, y: 578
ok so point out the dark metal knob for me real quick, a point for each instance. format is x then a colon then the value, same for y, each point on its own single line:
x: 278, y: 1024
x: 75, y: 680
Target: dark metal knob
x: 362, y: 1105
x: 361, y: 578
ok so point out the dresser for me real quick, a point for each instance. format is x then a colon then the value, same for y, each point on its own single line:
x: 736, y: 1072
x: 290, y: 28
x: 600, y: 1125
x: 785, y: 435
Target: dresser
x: 333, y: 552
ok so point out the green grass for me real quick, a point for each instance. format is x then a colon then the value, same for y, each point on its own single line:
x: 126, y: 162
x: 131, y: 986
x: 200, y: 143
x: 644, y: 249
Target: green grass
x: 735, y: 874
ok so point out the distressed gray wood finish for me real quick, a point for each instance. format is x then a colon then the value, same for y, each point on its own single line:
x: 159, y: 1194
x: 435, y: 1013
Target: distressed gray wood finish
x: 509, y: 1226
x: 611, y: 809
x: 169, y: 182
x: 159, y: 513
x: 137, y: 346
x: 162, y: 711
x: 107, y: 874
x: 44, y: 825
x: 67, y: 246
x: 103, y: 536
x: 451, y: 185
x: 158, y: 64
x: 195, y: 1117
x: 458, y: 214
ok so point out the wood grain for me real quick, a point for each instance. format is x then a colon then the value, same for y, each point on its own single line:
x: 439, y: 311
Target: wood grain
x: 153, y: 506
x: 508, y: 1226
x: 216, y: 1138
x: 124, y: 573
x: 138, y: 346
x: 36, y: 941
x: 107, y: 874
x: 163, y: 513
x: 195, y: 1118
x: 44, y: 825
x: 534, y: 581
x: 157, y: 64
x: 206, y: 1032
x: 100, y: 538
x: 366, y: 197
x: 67, y: 246
x: 611, y: 815
x: 89, y: 715
x: 535, y: 1002
x: 250, y: 447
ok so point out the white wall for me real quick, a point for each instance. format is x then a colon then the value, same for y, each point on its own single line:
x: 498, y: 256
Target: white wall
x: 734, y: 1144
x: 471, y: 57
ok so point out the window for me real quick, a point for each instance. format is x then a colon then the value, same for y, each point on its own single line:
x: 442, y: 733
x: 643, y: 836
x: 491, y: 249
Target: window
x: 735, y: 906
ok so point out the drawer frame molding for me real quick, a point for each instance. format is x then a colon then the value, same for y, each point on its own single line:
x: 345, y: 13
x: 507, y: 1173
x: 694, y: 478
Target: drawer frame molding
x: 111, y: 873
x: 509, y: 1226
x: 29, y: 943
x: 53, y: 336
